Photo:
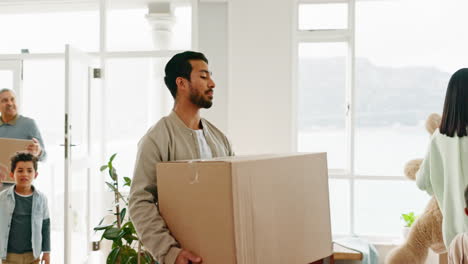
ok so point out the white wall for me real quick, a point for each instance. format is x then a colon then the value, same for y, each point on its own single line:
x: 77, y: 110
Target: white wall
x: 213, y: 43
x: 260, y: 75
x: 249, y: 47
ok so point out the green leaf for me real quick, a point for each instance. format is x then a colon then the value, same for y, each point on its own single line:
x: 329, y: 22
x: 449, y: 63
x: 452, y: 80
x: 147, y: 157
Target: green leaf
x: 129, y: 224
x: 128, y: 252
x: 122, y: 233
x: 112, y: 173
x: 117, y: 243
x: 130, y: 231
x: 129, y: 238
x: 111, y: 186
x: 112, y: 157
x: 409, y: 218
x: 113, y: 255
x: 148, y: 257
x: 111, y: 233
x: 100, y: 222
x: 128, y: 181
x: 103, y: 167
x: 122, y: 214
x: 130, y: 260
x: 102, y: 227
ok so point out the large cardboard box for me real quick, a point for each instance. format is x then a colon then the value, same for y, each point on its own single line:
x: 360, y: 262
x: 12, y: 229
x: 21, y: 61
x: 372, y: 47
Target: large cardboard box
x: 270, y: 209
x: 8, y: 147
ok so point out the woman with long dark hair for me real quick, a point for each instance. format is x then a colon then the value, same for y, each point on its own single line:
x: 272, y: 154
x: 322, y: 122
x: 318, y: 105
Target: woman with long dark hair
x: 444, y: 171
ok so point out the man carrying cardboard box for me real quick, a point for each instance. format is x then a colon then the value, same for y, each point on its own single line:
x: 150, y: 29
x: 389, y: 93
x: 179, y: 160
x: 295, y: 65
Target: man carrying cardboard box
x: 182, y: 135
x: 14, y: 125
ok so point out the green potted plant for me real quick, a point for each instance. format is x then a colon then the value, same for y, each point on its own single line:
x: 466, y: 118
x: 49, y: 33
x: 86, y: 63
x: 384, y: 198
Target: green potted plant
x: 126, y: 246
x: 408, y: 219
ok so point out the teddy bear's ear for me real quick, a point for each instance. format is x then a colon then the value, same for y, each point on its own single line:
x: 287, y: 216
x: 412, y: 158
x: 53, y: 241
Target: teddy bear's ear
x: 411, y: 168
x: 433, y: 122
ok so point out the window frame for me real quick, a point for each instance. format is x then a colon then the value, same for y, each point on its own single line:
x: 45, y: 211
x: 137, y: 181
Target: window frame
x: 342, y: 36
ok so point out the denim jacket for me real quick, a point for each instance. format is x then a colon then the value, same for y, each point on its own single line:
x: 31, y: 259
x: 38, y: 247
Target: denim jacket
x: 39, y: 213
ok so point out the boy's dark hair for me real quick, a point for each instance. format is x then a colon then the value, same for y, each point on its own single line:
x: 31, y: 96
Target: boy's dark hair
x: 22, y: 156
x: 455, y: 115
x: 179, y: 66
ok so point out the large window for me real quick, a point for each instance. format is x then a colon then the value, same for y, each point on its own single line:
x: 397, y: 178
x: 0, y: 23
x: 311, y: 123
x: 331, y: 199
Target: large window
x: 366, y: 83
x: 121, y: 37
x: 322, y: 81
x: 48, y: 32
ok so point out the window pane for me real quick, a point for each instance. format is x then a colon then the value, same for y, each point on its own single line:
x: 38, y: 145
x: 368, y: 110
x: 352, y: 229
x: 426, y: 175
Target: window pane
x: 379, y: 205
x: 6, y: 79
x: 43, y: 87
x: 323, y: 16
x: 134, y: 104
x: 402, y: 74
x: 129, y: 29
x: 339, y: 206
x: 321, y: 98
x: 49, y: 32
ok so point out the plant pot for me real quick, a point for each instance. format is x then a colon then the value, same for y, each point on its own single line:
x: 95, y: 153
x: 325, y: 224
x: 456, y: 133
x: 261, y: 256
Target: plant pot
x: 405, y: 231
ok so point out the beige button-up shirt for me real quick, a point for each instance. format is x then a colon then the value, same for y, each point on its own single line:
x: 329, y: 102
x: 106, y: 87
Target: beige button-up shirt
x: 169, y: 140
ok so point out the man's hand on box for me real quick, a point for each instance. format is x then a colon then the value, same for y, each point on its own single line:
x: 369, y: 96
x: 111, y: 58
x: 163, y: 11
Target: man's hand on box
x: 34, y: 148
x: 187, y: 257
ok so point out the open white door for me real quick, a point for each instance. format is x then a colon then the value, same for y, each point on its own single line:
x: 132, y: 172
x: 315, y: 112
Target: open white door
x: 78, y: 81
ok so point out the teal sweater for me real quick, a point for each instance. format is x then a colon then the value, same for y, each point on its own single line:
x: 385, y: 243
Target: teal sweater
x: 444, y: 174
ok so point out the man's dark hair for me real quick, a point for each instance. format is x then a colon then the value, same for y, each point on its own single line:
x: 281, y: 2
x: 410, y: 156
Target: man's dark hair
x: 466, y: 196
x: 179, y: 66
x: 22, y: 156
x: 455, y: 115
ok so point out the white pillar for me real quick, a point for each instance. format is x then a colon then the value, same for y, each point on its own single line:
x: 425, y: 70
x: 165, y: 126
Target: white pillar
x: 161, y: 19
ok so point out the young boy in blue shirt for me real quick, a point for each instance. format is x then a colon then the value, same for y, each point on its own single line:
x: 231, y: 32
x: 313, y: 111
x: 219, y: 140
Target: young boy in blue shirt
x: 24, y: 216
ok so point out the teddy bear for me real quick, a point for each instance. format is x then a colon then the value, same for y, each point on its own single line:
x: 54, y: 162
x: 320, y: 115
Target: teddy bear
x: 426, y: 231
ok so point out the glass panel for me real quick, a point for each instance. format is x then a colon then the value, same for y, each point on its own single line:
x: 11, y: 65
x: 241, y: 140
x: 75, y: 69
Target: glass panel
x: 49, y: 32
x: 323, y: 16
x: 129, y: 29
x: 399, y: 83
x: 79, y: 79
x: 321, y: 98
x: 339, y: 206
x: 6, y: 79
x: 79, y: 214
x: 43, y: 87
x: 135, y: 92
x: 379, y: 205
x: 42, y: 84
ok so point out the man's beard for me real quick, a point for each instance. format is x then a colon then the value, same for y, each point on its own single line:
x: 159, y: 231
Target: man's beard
x: 197, y: 98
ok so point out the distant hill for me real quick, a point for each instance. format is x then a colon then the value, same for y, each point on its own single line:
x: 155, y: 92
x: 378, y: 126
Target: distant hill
x: 384, y: 96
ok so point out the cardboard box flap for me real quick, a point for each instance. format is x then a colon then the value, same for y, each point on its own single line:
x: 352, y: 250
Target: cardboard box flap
x: 235, y: 159
x: 8, y: 147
